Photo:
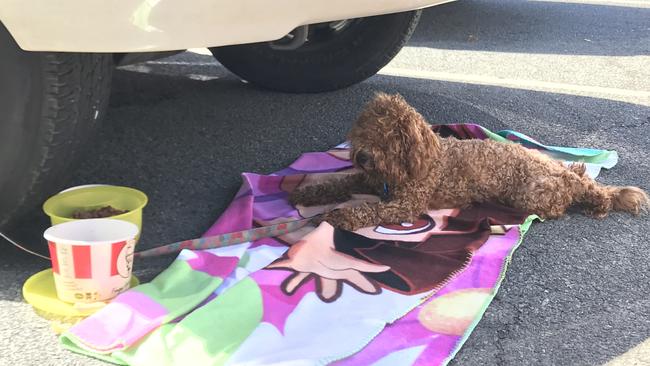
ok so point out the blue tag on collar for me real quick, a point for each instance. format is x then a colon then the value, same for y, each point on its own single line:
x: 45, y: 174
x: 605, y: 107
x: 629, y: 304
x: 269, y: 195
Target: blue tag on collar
x: 386, y: 193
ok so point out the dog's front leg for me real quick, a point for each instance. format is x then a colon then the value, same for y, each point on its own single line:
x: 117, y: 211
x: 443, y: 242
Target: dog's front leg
x: 405, y: 206
x: 334, y: 191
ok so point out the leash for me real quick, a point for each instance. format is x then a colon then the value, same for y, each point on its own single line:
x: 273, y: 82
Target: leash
x: 224, y: 240
x: 238, y: 237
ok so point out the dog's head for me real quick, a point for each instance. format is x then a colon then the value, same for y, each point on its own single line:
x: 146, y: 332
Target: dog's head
x: 392, y: 142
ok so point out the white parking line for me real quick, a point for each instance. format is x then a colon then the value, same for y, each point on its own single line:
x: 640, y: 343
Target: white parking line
x: 624, y: 3
x: 638, y: 355
x: 183, y: 63
x: 535, y: 85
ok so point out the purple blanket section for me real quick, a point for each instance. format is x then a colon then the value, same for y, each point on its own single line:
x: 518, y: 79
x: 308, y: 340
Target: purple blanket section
x: 483, y: 273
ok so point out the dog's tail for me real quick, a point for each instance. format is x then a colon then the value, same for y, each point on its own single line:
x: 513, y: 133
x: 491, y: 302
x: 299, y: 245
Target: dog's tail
x: 629, y: 199
x: 599, y: 199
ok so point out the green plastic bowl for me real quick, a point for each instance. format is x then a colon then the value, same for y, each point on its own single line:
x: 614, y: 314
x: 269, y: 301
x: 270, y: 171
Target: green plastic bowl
x: 62, y: 206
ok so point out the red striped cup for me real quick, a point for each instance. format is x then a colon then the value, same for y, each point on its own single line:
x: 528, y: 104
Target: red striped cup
x: 92, y: 259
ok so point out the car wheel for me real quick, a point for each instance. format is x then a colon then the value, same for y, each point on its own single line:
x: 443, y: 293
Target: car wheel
x: 49, y: 105
x: 324, y: 56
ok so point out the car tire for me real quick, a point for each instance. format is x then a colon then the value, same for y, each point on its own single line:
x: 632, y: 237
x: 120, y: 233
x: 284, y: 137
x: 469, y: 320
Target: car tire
x: 50, y: 104
x: 323, y: 63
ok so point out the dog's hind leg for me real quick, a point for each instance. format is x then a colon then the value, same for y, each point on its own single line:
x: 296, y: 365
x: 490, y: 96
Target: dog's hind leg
x: 596, y: 199
x: 549, y: 196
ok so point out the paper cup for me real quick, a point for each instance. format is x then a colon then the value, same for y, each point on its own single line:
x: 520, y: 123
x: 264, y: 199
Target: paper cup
x: 91, y: 259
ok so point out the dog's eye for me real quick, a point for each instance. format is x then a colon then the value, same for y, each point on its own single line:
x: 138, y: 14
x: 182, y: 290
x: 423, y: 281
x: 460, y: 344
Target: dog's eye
x: 362, y: 158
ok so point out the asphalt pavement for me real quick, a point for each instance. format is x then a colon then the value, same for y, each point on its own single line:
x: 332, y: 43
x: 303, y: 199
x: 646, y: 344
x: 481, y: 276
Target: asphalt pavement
x: 571, y: 73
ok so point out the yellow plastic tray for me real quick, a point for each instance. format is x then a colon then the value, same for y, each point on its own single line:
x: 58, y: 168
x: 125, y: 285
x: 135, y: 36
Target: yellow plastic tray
x: 40, y: 293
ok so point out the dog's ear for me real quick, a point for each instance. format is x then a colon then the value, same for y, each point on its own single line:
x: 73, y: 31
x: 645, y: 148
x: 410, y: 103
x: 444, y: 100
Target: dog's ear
x: 385, y: 115
x: 421, y: 145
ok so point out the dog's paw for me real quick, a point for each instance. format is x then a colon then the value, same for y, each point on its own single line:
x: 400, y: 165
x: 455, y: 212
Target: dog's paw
x: 315, y: 196
x: 596, y: 213
x: 342, y: 219
x: 306, y: 196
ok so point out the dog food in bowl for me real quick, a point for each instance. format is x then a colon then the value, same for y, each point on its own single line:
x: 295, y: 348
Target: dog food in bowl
x: 102, y: 212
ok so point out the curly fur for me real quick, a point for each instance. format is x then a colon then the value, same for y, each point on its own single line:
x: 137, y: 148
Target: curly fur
x: 391, y: 143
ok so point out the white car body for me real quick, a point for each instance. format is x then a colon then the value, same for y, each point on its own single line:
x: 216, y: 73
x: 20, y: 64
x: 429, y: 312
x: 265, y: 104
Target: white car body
x: 164, y: 25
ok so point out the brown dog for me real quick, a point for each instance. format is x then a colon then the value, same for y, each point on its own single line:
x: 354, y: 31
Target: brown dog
x: 403, y: 160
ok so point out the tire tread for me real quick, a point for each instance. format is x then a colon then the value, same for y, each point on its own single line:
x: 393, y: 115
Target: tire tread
x: 75, y: 86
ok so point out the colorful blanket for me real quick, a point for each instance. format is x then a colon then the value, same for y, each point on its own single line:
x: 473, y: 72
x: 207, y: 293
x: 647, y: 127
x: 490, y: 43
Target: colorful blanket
x: 407, y: 294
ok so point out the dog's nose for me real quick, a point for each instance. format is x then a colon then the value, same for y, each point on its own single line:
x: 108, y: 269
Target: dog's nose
x: 362, y: 158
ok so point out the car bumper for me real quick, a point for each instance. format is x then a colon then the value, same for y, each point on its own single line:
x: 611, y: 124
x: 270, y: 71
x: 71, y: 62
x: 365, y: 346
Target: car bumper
x: 162, y: 25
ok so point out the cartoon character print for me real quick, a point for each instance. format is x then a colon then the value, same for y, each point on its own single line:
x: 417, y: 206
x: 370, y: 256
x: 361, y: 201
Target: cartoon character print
x: 124, y: 262
x: 408, y: 258
x: 315, y: 257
